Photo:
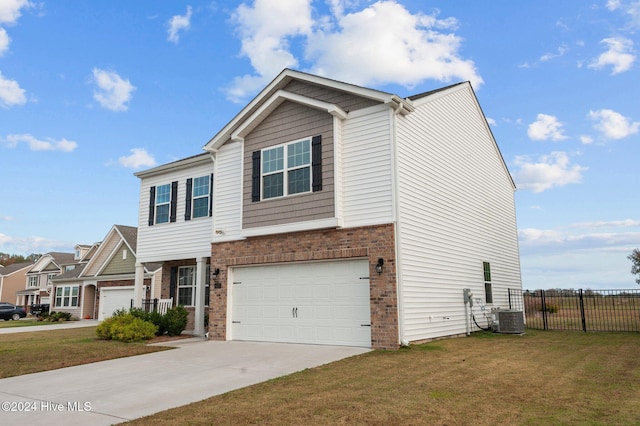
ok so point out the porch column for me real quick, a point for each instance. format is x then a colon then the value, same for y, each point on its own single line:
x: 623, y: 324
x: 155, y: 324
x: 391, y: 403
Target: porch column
x: 138, y: 286
x: 201, y: 270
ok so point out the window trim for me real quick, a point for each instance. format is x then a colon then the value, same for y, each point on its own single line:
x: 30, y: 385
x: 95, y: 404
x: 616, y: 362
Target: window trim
x: 67, y: 296
x: 191, y: 197
x: 488, y: 287
x: 192, y: 286
x: 286, y: 168
x: 33, y: 281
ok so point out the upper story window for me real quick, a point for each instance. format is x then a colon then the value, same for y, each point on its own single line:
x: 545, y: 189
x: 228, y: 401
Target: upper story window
x: 162, y: 203
x: 286, y: 169
x: 33, y: 281
x: 199, y: 197
x: 50, y: 277
x: 163, y: 198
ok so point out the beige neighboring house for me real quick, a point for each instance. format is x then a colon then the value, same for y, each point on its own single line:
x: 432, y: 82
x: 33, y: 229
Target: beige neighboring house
x: 37, y: 287
x: 104, y: 284
x: 12, y: 280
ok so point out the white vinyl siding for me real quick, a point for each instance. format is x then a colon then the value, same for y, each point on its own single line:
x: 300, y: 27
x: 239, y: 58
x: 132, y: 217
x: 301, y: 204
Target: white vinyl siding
x: 227, y: 208
x: 456, y: 210
x: 174, y: 240
x: 367, y: 167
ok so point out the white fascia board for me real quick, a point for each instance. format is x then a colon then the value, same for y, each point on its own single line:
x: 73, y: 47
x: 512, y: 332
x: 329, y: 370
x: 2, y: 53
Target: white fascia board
x: 98, y: 252
x: 170, y: 258
x: 287, y: 75
x: 176, y: 165
x: 291, y: 227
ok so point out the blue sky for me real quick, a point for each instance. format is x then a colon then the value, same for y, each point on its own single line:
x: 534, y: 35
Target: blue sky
x: 92, y: 91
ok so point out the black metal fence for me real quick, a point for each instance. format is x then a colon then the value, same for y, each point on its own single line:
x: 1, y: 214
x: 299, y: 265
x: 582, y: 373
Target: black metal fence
x: 581, y: 310
x: 148, y: 305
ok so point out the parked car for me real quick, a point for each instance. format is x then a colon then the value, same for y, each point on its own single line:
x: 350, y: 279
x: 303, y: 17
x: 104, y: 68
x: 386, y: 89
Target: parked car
x: 38, y: 309
x: 11, y: 312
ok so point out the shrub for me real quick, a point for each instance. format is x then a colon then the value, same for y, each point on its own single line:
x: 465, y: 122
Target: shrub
x: 550, y: 307
x: 153, y: 317
x: 176, y: 320
x: 58, y: 317
x: 126, y: 328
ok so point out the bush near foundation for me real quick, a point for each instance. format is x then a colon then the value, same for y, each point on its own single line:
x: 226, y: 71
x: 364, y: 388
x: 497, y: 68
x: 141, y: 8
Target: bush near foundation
x: 126, y: 328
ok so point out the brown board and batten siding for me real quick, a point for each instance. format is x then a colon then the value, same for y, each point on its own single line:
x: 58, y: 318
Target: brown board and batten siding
x: 290, y: 122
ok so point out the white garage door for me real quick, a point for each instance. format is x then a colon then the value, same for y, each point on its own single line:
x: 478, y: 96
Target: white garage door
x: 315, y: 302
x: 112, y: 299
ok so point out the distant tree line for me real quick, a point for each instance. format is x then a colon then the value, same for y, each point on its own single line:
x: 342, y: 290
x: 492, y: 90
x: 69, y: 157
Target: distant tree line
x: 7, y: 259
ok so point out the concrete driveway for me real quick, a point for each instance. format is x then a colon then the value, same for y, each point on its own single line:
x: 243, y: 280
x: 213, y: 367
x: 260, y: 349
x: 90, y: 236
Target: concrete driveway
x: 115, y: 391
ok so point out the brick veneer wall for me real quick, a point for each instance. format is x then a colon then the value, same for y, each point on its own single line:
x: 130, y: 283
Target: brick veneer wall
x: 372, y: 242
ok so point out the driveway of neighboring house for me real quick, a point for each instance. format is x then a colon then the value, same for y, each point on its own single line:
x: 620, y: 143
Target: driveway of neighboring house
x: 118, y: 390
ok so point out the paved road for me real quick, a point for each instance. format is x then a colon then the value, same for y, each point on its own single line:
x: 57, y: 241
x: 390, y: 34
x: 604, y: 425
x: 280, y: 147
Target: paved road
x: 115, y: 391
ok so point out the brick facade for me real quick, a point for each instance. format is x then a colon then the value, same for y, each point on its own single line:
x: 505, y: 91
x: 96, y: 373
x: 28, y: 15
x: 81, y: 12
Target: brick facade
x: 372, y: 242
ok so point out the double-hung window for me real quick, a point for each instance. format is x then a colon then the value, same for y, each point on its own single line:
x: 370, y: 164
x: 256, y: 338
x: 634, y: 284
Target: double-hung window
x: 163, y: 199
x: 198, y: 202
x: 67, y: 296
x: 286, y: 169
x: 488, y: 291
x: 187, y: 286
x: 33, y: 281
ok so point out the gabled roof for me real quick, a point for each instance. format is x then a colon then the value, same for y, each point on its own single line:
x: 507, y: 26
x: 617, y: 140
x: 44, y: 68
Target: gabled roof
x: 14, y: 267
x: 274, y: 94
x: 129, y: 235
x: 175, y: 165
x: 56, y: 259
x: 74, y: 273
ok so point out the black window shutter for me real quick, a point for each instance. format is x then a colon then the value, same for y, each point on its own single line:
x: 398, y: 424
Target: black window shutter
x: 174, y: 201
x: 211, y: 195
x: 316, y: 162
x: 255, y: 177
x: 187, y: 204
x: 152, y: 205
x: 173, y: 283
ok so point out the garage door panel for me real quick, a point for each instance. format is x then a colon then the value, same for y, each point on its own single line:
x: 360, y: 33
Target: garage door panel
x: 113, y: 299
x: 322, y: 302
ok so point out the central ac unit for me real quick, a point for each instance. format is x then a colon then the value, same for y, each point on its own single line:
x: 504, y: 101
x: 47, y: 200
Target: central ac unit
x: 508, y: 321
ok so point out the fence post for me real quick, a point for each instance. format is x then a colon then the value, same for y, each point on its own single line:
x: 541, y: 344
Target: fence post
x: 584, y: 322
x: 509, y: 292
x: 544, y: 311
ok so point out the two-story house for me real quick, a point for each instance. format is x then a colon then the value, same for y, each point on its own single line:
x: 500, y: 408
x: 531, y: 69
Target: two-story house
x: 330, y: 213
x: 12, y: 280
x: 38, y: 285
x: 104, y: 283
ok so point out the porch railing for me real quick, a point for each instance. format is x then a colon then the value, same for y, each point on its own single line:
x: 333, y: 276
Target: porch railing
x: 157, y: 305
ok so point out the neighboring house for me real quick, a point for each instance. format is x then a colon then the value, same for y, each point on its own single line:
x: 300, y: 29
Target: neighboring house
x: 331, y: 213
x: 38, y: 278
x: 12, y: 280
x: 105, y: 283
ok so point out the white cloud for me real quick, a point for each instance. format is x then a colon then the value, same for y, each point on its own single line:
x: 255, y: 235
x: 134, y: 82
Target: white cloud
x: 4, y: 41
x: 586, y: 140
x: 114, y: 92
x: 265, y: 30
x: 29, y: 245
x: 630, y: 8
x: 546, y: 127
x: 10, y: 93
x: 548, y: 171
x: 179, y: 23
x: 620, y: 55
x: 41, y: 145
x: 612, y: 124
x: 549, y: 56
x: 10, y: 10
x: 627, y: 223
x: 383, y: 43
x: 7, y: 218
x: 139, y: 158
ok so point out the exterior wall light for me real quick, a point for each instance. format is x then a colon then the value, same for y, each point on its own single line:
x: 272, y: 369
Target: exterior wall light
x: 379, y: 265
x: 216, y: 272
